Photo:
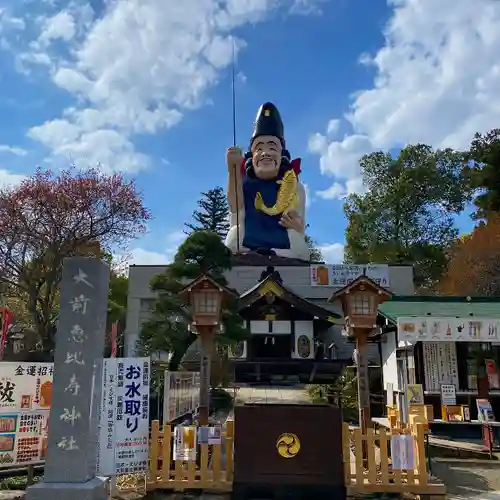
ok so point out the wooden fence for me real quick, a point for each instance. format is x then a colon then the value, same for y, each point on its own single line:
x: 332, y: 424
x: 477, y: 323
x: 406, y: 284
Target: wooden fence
x: 363, y: 474
x: 211, y: 474
x: 373, y: 473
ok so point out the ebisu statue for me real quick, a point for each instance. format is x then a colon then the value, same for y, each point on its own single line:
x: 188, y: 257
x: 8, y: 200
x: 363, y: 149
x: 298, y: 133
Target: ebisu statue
x: 266, y: 199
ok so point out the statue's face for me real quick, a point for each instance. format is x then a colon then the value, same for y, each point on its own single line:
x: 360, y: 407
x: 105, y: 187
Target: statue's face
x: 266, y: 156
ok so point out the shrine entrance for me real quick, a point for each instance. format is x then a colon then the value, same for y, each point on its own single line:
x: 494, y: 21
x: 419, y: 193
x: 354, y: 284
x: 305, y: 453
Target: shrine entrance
x: 270, y: 346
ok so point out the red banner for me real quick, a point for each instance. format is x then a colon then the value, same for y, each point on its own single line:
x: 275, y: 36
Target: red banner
x: 7, y: 321
x: 114, y: 339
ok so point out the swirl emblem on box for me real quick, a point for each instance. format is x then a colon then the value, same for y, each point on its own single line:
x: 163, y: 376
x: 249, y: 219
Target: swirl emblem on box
x: 288, y: 445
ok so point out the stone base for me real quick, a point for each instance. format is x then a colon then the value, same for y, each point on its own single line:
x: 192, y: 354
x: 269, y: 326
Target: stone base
x: 95, y: 489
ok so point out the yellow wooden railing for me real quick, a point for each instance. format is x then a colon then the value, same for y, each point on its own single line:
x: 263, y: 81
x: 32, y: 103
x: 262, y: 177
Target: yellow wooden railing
x: 362, y: 474
x: 372, y: 474
x: 165, y: 473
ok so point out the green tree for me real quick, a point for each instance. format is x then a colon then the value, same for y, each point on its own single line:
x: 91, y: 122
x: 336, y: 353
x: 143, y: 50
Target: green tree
x: 213, y: 213
x: 485, y: 155
x: 315, y: 252
x: 345, y: 387
x: 406, y: 214
x: 168, y: 328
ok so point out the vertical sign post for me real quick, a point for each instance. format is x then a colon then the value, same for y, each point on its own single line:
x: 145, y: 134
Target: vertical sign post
x: 74, y: 416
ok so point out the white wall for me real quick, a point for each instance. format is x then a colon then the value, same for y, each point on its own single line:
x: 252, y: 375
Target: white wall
x: 389, y: 362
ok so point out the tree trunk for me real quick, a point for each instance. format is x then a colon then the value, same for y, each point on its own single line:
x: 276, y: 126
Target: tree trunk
x: 179, y: 352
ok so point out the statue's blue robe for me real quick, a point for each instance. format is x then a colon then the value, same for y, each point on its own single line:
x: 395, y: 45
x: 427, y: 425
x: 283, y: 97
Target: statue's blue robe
x: 262, y: 230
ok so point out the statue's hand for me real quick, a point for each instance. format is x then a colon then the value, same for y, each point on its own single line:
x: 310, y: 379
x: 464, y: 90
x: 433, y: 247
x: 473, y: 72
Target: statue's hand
x: 292, y: 220
x: 234, y: 157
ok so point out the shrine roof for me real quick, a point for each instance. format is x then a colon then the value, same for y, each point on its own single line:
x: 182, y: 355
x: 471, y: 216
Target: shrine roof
x: 403, y: 306
x: 273, y: 284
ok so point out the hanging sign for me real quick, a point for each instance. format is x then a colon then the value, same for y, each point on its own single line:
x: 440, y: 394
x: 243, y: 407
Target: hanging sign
x: 185, y: 443
x: 210, y: 435
x: 402, y: 452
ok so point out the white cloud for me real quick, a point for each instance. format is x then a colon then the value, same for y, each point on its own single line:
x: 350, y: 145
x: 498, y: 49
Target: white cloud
x: 332, y: 128
x: 61, y: 26
x: 135, y: 70
x: 141, y: 256
x: 437, y: 80
x: 8, y: 179
x: 333, y: 253
x: 307, y: 7
x: 4, y: 148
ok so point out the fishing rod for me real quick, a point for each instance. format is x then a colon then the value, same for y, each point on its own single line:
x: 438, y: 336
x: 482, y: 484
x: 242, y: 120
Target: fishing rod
x: 236, y: 173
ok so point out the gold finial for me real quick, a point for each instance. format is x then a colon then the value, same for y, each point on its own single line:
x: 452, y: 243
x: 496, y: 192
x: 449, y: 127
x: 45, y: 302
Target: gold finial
x: 267, y: 113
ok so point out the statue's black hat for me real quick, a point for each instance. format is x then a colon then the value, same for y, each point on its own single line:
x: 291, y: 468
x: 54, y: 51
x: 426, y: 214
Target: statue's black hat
x: 268, y: 122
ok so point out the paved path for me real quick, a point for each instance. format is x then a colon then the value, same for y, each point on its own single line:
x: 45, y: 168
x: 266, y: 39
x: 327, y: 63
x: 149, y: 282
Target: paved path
x: 273, y: 394
x: 493, y: 495
x: 470, y: 479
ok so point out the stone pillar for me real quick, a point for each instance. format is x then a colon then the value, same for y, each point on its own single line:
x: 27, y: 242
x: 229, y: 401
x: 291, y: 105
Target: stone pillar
x: 74, y: 416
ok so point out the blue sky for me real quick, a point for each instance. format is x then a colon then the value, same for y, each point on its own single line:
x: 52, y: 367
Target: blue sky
x: 143, y: 86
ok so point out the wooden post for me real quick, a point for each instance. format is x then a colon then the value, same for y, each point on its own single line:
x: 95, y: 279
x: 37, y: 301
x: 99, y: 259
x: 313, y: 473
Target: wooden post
x: 363, y: 379
x: 206, y: 347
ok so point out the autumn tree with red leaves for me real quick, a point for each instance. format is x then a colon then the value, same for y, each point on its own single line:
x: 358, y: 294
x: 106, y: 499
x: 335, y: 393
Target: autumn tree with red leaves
x: 474, y: 265
x: 50, y: 217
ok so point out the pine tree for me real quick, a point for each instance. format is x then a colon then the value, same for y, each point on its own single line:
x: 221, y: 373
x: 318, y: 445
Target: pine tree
x: 169, y: 327
x: 213, y: 213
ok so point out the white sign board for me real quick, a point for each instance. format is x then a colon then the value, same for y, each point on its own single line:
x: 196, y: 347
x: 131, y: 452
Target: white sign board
x: 340, y: 275
x: 448, y: 395
x: 25, y: 386
x: 124, y: 425
x: 185, y: 443
x: 181, y: 394
x: 210, y: 435
x: 25, y: 400
x: 428, y: 329
x: 402, y: 452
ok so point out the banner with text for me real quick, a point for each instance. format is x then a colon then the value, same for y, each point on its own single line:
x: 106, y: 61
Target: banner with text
x: 124, y: 425
x: 340, y: 275
x: 25, y: 399
x: 428, y: 329
x: 181, y: 394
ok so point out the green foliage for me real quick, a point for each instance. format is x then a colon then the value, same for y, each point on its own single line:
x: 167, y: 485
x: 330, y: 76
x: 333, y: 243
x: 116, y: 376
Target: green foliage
x: 406, y: 214
x: 485, y: 155
x: 168, y: 328
x: 347, y: 386
x: 213, y: 213
x: 220, y: 400
x: 315, y: 252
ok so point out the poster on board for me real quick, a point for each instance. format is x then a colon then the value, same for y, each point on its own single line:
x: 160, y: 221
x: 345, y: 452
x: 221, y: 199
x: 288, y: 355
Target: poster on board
x: 25, y: 386
x: 181, y: 394
x: 25, y: 400
x: 124, y: 424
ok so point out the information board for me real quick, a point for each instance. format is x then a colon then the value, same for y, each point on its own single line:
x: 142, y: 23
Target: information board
x: 25, y: 399
x: 181, y: 394
x: 124, y: 425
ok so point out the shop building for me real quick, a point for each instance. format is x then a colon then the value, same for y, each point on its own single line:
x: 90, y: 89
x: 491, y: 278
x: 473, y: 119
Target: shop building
x: 436, y: 341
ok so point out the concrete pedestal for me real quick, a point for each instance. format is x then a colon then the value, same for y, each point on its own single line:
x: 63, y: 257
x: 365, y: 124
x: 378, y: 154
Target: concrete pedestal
x: 95, y: 489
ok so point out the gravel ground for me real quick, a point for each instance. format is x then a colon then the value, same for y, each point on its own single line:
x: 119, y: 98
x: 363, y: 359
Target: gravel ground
x: 469, y: 478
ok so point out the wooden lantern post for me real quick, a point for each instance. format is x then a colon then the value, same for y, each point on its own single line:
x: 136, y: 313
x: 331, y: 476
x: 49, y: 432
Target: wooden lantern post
x: 205, y: 297
x: 360, y: 300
